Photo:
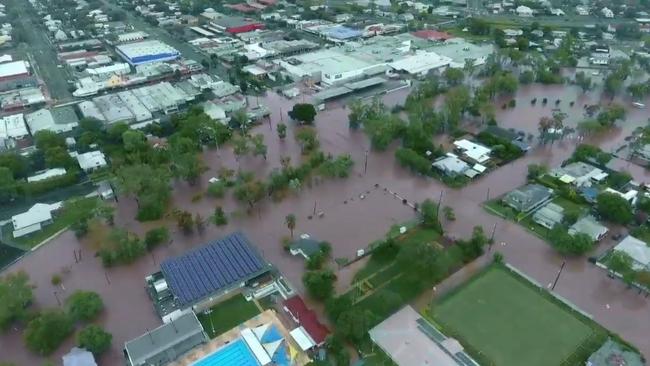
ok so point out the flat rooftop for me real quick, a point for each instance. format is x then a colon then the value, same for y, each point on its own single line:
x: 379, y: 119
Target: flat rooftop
x: 146, y: 48
x: 330, y: 62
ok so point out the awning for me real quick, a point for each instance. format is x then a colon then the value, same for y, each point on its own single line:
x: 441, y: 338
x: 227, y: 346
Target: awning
x: 301, y: 337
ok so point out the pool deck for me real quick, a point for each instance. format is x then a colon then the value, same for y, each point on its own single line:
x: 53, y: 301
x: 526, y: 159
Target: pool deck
x: 267, y: 317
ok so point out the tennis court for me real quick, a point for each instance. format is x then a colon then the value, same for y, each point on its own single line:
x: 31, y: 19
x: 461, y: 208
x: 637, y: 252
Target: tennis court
x: 510, y: 322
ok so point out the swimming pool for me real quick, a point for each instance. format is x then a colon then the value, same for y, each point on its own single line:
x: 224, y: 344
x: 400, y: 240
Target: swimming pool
x: 233, y: 354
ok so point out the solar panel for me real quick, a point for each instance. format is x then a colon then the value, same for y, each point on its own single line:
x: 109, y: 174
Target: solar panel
x: 212, y: 268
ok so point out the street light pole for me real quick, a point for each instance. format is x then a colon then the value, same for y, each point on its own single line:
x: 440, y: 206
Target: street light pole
x: 558, y: 275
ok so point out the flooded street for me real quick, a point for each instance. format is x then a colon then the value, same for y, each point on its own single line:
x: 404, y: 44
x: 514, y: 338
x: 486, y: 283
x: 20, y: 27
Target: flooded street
x: 348, y: 222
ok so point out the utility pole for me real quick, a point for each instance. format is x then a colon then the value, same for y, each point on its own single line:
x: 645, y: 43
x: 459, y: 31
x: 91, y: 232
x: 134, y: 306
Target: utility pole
x: 494, y: 228
x: 439, y: 203
x: 56, y: 295
x: 558, y: 275
x: 314, y: 213
x: 365, y: 163
x: 488, y: 194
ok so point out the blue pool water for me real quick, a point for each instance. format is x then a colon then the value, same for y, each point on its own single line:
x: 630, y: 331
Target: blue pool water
x: 233, y: 354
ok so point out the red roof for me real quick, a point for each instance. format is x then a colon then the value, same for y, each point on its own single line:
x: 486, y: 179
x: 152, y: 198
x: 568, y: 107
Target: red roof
x: 432, y: 35
x: 307, y: 318
x: 242, y: 7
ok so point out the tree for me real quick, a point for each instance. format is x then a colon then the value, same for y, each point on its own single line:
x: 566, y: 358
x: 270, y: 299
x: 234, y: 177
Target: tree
x: 282, y: 130
x: 303, y: 112
x: 583, y: 81
x: 614, y: 208
x: 454, y: 76
x: 429, y: 215
x: 219, y: 217
x: 536, y: 170
x: 84, y: 305
x: 57, y: 156
x: 46, y: 139
x: 527, y: 77
x: 259, y: 148
x: 18, y: 164
x: 307, y: 139
x: 94, y: 339
x: 15, y: 295
x: 240, y: 146
x: 217, y: 189
x: 456, y: 103
x: 184, y: 221
x: 319, y: 284
x: 568, y: 244
x: 250, y: 192
x: 290, y: 220
x: 156, y: 236
x: 355, y: 323
x: 8, y: 186
x: 47, y: 331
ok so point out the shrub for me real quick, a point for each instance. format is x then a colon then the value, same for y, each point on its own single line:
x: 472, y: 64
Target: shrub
x: 217, y: 189
x: 155, y: 237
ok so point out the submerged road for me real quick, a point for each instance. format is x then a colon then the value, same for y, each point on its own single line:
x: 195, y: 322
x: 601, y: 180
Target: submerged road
x: 349, y: 223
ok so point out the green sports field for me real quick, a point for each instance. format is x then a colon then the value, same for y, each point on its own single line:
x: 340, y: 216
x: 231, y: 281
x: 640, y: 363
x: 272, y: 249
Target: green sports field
x: 509, y: 322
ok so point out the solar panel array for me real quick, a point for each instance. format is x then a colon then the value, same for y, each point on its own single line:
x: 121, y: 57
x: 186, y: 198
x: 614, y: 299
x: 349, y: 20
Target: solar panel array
x: 212, y: 268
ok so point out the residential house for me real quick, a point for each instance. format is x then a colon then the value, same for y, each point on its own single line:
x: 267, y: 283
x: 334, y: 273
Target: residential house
x: 638, y: 250
x: 590, y: 226
x: 550, y: 215
x: 473, y: 151
x: 582, y: 10
x: 524, y: 11
x: 629, y: 196
x: 304, y: 246
x: 528, y: 197
x: 34, y: 219
x: 450, y: 165
x: 579, y: 174
x: 79, y: 357
x: 91, y: 160
x: 47, y: 174
x: 607, y: 13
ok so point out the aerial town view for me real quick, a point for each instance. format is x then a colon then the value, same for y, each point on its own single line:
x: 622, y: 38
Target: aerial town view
x: 324, y: 182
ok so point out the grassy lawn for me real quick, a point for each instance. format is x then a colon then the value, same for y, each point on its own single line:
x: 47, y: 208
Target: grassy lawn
x: 8, y: 254
x: 227, y: 315
x: 72, y: 211
x: 504, y: 320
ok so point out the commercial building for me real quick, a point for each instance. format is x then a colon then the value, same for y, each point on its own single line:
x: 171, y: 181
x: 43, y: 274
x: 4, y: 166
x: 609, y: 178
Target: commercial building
x: 144, y: 52
x: 91, y: 160
x: 108, y: 70
x: 13, y: 127
x: 131, y: 37
x: 409, y: 339
x: 113, y: 108
x: 166, y: 343
x: 137, y: 109
x: 59, y: 120
x: 201, y: 277
x: 234, y: 24
x: 34, y: 219
x: 13, y: 70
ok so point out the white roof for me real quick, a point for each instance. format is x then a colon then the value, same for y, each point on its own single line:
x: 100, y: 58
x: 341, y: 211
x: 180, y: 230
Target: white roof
x: 420, y: 62
x: 91, y: 160
x: 637, y: 249
x: 629, y: 195
x: 40, y: 212
x: 13, y: 126
x: 46, y: 174
x: 13, y: 68
x: 474, y: 151
x: 145, y: 48
x: 451, y: 164
x: 302, y: 338
x: 118, y: 68
x: 6, y: 58
x: 256, y: 347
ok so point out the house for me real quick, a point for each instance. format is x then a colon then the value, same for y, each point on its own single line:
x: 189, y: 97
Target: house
x: 638, y: 250
x: 607, y: 13
x: 47, y: 174
x: 524, y: 11
x: 557, y: 12
x: 582, y: 10
x: 629, y: 196
x: 473, y: 151
x: 528, y: 197
x: 310, y: 330
x: 549, y: 215
x: 166, y: 343
x: 305, y: 246
x: 409, y: 340
x: 451, y: 165
x: 79, y: 357
x: 91, y: 160
x: 105, y: 190
x: 579, y: 174
x: 590, y: 226
x: 34, y: 219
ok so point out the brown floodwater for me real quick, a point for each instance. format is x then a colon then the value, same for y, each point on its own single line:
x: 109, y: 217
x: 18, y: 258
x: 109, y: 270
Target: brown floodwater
x: 348, y: 222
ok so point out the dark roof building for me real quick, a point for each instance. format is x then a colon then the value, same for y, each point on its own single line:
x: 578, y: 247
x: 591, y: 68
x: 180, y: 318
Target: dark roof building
x: 211, y: 270
x: 165, y: 343
x: 528, y: 198
x: 307, y: 319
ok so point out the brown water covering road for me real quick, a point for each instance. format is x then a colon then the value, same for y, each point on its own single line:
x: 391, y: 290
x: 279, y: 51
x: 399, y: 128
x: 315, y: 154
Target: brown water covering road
x: 349, y: 223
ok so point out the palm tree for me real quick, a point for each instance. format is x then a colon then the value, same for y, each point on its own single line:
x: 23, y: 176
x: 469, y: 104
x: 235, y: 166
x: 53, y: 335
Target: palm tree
x: 290, y: 220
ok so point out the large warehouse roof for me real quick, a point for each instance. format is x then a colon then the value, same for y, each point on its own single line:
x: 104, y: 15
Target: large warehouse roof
x: 212, y: 268
x: 145, y: 48
x: 13, y: 68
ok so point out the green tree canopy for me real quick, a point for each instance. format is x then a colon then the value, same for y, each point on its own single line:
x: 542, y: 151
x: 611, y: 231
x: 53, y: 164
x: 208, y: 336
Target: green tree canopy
x: 319, y: 284
x: 303, y: 112
x: 614, y: 208
x: 568, y: 244
x: 15, y: 295
x: 45, y: 333
x: 429, y: 215
x: 84, y: 305
x: 94, y: 339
